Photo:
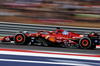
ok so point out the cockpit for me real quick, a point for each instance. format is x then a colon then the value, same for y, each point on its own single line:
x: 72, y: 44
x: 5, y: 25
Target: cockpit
x: 61, y: 31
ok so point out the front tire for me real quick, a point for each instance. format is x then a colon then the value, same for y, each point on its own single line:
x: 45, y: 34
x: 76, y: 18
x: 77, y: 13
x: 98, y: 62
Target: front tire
x: 21, y: 39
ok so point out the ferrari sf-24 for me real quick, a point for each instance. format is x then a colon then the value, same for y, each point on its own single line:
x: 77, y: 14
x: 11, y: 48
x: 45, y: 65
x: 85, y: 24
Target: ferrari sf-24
x: 59, y: 37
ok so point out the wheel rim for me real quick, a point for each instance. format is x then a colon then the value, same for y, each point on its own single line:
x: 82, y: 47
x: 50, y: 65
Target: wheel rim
x: 85, y: 42
x: 19, y: 38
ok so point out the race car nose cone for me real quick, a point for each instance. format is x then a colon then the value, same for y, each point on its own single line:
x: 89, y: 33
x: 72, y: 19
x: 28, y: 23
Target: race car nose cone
x: 7, y: 39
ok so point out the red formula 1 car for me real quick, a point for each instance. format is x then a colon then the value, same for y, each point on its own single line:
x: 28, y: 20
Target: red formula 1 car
x: 60, y: 38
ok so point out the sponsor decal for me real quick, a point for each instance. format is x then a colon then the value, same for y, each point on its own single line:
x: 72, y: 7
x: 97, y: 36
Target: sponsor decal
x: 32, y: 40
x: 32, y: 37
x: 37, y: 35
x: 58, y: 38
x: 96, y: 41
x: 58, y: 41
x: 70, y: 41
x: 46, y: 37
x: 67, y: 42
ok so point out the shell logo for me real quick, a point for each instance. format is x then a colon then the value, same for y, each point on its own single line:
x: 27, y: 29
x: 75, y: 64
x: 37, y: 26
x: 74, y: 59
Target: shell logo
x: 52, y: 39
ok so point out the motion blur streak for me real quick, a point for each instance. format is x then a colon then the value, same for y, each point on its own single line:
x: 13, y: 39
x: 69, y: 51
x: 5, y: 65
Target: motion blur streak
x: 61, y: 63
x: 59, y: 12
x: 12, y: 57
x: 50, y: 54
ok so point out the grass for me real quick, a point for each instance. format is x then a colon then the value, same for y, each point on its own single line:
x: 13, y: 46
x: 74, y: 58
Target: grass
x: 88, y: 15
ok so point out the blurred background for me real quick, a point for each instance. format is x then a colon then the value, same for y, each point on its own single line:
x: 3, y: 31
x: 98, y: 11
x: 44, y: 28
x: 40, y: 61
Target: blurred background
x: 55, y: 12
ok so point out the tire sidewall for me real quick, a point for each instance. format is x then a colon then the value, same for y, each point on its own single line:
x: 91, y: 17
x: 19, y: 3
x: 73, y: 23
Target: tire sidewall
x: 85, y: 47
x: 20, y: 43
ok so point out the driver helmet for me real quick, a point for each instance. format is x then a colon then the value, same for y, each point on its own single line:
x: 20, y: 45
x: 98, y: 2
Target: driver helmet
x: 26, y: 32
x: 58, y: 30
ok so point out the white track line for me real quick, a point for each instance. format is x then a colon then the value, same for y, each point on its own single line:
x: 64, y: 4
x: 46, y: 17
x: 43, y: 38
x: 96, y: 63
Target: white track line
x: 45, y: 62
x: 49, y: 55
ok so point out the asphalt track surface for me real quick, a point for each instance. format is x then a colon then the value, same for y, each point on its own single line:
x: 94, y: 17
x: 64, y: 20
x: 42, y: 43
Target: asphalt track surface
x: 42, y: 48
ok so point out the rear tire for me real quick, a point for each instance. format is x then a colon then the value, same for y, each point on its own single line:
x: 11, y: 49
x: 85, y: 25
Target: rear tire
x: 86, y: 43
